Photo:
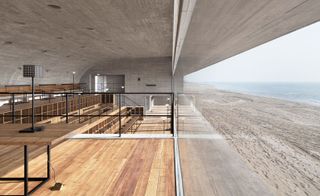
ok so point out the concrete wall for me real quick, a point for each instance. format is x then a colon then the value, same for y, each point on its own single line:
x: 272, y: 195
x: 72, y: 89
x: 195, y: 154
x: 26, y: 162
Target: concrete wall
x: 52, y: 76
x: 150, y: 71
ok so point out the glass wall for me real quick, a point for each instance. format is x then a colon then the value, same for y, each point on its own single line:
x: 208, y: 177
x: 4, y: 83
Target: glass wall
x: 209, y: 165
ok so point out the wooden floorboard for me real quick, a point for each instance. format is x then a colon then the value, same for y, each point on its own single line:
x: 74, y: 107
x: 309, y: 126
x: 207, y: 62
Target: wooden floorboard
x: 99, y: 167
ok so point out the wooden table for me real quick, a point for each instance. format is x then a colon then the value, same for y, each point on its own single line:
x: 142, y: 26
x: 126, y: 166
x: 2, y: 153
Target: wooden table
x: 52, y: 134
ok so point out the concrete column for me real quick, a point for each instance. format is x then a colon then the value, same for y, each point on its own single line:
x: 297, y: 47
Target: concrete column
x: 90, y: 88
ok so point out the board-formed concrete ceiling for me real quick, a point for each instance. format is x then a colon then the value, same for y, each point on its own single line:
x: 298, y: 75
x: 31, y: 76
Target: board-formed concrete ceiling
x: 219, y: 29
x: 73, y: 35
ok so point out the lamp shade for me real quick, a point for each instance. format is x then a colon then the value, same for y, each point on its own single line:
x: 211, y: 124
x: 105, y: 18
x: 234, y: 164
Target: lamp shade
x: 32, y: 71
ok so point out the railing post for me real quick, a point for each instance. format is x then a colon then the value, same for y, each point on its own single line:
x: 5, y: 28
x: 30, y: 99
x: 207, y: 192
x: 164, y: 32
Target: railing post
x: 119, y: 100
x: 32, y: 104
x: 67, y: 109
x: 25, y: 177
x: 172, y: 113
x: 48, y: 161
x: 79, y: 106
x: 13, y: 108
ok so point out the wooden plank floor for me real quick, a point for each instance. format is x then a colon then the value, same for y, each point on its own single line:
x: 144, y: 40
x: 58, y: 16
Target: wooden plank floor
x: 99, y: 167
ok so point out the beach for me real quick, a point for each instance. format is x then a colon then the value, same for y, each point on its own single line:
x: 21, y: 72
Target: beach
x: 279, y: 140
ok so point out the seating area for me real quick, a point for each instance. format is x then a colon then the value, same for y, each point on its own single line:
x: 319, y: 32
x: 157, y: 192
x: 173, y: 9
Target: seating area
x: 99, y: 110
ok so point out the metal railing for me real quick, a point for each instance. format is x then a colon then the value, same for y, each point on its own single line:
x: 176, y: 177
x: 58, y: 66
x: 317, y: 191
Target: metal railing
x: 71, y: 107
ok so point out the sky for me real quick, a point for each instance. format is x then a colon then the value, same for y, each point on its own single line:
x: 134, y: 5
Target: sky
x: 294, y: 57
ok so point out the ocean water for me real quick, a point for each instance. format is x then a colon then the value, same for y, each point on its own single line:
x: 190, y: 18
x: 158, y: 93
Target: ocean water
x: 298, y: 92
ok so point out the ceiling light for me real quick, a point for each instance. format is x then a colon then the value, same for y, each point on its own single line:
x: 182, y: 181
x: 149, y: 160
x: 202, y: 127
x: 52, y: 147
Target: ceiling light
x: 54, y: 6
x: 90, y: 28
x: 8, y: 43
x: 19, y: 22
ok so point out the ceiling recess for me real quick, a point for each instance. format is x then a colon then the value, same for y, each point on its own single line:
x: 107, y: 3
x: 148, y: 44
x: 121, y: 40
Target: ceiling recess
x: 8, y: 43
x: 90, y: 28
x: 54, y: 6
x: 19, y: 23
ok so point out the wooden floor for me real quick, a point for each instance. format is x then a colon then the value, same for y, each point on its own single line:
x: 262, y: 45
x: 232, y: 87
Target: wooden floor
x: 97, y: 167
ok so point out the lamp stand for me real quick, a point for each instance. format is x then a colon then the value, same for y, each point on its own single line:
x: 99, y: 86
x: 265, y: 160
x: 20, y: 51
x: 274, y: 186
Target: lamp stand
x: 33, y: 128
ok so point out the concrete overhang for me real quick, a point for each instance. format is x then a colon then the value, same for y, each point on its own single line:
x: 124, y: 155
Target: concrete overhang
x: 219, y: 29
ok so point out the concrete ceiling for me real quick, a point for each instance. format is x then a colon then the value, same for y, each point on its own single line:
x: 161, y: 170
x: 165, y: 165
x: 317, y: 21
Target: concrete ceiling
x: 219, y: 29
x: 74, y: 35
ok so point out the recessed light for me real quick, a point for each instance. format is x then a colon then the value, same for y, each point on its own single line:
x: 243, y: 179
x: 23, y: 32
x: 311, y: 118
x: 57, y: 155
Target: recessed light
x: 90, y: 28
x: 54, y: 6
x: 8, y: 43
x: 19, y: 22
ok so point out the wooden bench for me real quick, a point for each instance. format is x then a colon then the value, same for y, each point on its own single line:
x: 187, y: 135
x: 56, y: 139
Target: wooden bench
x: 129, y: 124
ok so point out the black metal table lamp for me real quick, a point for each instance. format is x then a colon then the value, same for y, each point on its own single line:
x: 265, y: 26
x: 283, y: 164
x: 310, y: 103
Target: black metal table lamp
x: 32, y: 71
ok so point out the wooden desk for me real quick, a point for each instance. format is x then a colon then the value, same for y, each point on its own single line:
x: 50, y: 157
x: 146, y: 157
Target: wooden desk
x: 53, y: 133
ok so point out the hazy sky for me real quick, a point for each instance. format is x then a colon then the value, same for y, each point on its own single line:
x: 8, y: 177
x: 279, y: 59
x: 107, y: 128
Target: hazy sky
x: 293, y: 57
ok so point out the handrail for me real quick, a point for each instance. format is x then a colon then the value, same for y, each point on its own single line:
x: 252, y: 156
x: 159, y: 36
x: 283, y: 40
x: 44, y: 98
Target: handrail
x: 40, y: 87
x: 88, y: 93
x: 70, y: 103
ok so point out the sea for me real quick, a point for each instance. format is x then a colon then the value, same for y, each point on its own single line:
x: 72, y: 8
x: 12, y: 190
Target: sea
x: 298, y: 92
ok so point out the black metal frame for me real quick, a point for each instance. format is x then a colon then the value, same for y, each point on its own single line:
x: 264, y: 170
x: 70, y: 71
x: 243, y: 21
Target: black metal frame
x: 26, y: 177
x: 66, y: 95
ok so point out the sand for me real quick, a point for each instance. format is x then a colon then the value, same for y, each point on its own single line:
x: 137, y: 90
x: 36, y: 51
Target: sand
x: 278, y: 139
